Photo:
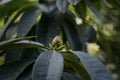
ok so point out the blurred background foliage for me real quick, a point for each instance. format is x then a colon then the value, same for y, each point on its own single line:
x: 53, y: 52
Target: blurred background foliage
x: 100, y: 18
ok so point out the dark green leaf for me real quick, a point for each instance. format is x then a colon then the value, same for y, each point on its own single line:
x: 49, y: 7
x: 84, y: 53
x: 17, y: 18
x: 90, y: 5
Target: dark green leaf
x: 27, y: 21
x: 54, y: 29
x: 95, y: 68
x: 81, y: 9
x: 29, y: 53
x: 62, y: 5
x: 92, y: 8
x: 26, y: 74
x: 14, y: 14
x: 47, y: 7
x: 74, y: 1
x: 13, y: 55
x: 48, y: 66
x: 80, y: 70
x: 11, y: 41
x: 70, y: 56
x: 72, y: 38
x: 24, y: 44
x: 14, y: 5
x: 68, y: 76
x: 42, y: 29
x: 90, y: 34
x: 11, y: 71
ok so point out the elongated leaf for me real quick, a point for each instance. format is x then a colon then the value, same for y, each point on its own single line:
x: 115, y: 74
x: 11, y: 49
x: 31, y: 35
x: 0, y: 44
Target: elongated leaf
x: 48, y: 66
x: 95, y: 68
x: 62, y: 5
x: 80, y: 70
x: 24, y: 44
x: 11, y: 71
x: 54, y: 28
x: 27, y: 21
x: 42, y: 29
x: 72, y: 38
x: 74, y: 1
x: 68, y: 76
x: 14, y: 5
x: 93, y: 9
x: 81, y: 9
x: 15, y: 13
x: 26, y: 74
x: 11, y: 41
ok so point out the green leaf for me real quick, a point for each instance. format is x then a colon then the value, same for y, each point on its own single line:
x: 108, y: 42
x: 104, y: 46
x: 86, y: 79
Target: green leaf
x: 42, y: 29
x: 14, y: 5
x: 90, y: 34
x: 11, y: 71
x: 26, y: 74
x: 13, y: 15
x: 24, y: 44
x: 73, y: 38
x: 62, y: 5
x: 94, y: 10
x: 68, y: 76
x: 80, y: 70
x: 13, y: 55
x: 54, y: 28
x: 11, y: 41
x: 74, y: 1
x: 47, y: 7
x: 27, y: 21
x: 29, y: 53
x: 70, y: 56
x: 81, y: 9
x: 48, y: 66
x: 95, y: 68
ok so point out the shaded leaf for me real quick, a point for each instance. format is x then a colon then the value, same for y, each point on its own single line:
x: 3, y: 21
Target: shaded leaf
x: 47, y: 7
x: 42, y: 29
x: 14, y: 5
x: 48, y: 66
x: 95, y: 68
x: 54, y: 28
x: 70, y: 56
x: 72, y: 38
x: 13, y: 55
x: 62, y: 5
x: 74, y: 1
x: 92, y: 8
x: 24, y: 44
x: 26, y: 74
x: 27, y: 21
x: 11, y: 41
x: 11, y: 71
x: 90, y: 34
x: 79, y: 70
x: 68, y: 76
